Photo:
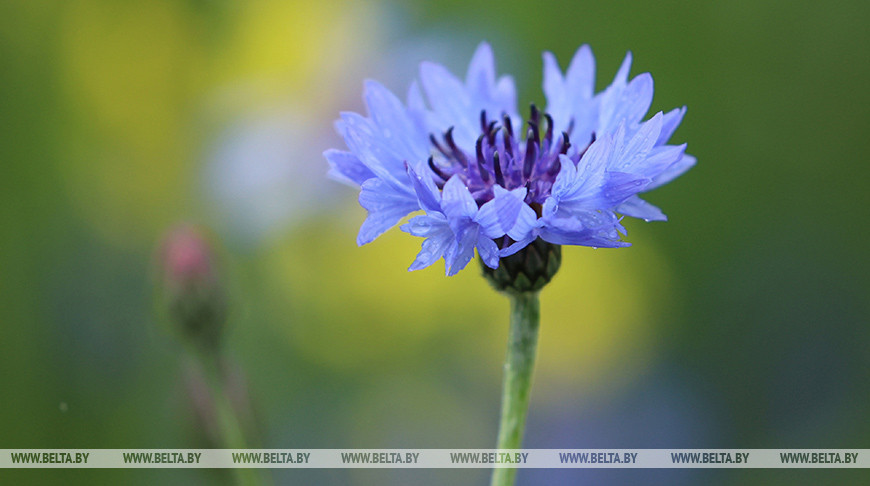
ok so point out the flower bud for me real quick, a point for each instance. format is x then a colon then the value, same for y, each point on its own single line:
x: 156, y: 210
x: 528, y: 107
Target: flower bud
x: 193, y: 297
x: 527, y: 270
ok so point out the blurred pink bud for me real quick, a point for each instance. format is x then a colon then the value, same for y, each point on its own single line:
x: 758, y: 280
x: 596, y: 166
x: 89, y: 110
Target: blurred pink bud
x: 187, y: 257
x: 192, y: 291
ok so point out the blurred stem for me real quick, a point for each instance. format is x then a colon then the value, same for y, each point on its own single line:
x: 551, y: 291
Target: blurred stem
x: 229, y: 426
x: 516, y: 387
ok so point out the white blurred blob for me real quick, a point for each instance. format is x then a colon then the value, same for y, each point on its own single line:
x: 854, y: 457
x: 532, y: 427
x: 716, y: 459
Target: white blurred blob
x: 266, y: 174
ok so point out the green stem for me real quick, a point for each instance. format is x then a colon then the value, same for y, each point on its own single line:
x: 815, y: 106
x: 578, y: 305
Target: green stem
x: 517, y: 384
x: 230, y: 429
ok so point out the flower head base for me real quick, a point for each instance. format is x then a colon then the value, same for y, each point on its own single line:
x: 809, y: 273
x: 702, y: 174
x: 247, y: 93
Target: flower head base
x: 527, y: 270
x: 487, y: 181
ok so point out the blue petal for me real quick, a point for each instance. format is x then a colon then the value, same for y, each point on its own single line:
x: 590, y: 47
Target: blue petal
x: 507, y: 214
x: 347, y: 168
x: 487, y: 218
x: 659, y: 160
x: 579, y: 188
x: 422, y: 117
x: 554, y: 84
x: 580, y: 78
x: 519, y: 245
x: 439, y: 240
x: 363, y: 140
x: 631, y: 156
x: 425, y: 225
x: 638, y: 208
x: 629, y: 103
x: 480, y: 79
x: 558, y: 104
x: 488, y: 251
x: 675, y: 170
x: 569, y: 99
x: 415, y: 97
x: 485, y: 93
x: 386, y: 206
x: 590, y: 228
x: 503, y: 98
x: 450, y: 103
x: 670, y: 122
x: 621, y: 77
x: 525, y: 223
x: 621, y: 186
x: 425, y: 188
x: 461, y: 250
x: 566, y: 182
x: 457, y: 203
x: 595, y: 160
x: 396, y: 127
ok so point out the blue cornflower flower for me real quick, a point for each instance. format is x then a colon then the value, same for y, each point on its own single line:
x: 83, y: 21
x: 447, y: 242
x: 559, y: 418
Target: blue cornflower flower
x: 486, y: 181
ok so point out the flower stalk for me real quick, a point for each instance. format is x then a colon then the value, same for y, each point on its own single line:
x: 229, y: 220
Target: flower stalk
x: 229, y: 427
x: 517, y: 383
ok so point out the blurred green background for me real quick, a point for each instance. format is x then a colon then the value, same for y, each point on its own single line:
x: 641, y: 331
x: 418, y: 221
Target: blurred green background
x: 742, y: 322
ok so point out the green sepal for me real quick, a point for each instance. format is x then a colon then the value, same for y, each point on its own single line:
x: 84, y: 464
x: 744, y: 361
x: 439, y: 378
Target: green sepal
x: 527, y: 270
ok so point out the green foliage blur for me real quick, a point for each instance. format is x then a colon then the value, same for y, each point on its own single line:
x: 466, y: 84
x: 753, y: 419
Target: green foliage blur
x: 742, y: 322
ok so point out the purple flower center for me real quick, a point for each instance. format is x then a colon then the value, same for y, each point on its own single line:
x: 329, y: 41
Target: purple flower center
x: 502, y: 158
